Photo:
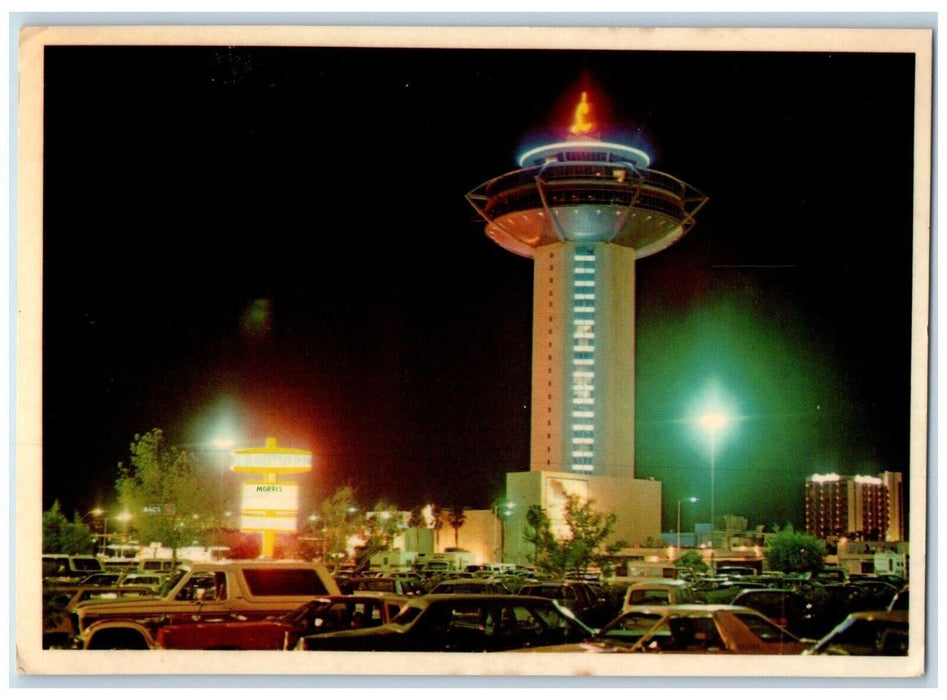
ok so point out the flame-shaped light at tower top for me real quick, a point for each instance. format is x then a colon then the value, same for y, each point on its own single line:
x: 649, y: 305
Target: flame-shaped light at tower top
x: 582, y: 124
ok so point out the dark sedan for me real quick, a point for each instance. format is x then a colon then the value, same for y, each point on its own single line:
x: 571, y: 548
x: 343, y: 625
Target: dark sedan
x: 464, y: 623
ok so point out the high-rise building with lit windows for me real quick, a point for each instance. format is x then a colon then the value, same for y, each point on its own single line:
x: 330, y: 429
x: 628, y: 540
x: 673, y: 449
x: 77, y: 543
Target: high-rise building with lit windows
x: 585, y: 210
x: 865, y: 507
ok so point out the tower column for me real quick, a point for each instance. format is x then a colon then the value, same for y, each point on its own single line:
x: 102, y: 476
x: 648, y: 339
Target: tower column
x: 583, y: 416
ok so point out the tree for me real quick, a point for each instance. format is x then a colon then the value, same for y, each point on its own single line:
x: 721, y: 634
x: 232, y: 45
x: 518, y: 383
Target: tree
x: 583, y: 543
x: 378, y: 530
x: 437, y: 523
x: 456, y: 517
x: 692, y: 560
x: 416, y: 521
x: 341, y: 522
x: 63, y: 537
x: 796, y: 552
x: 169, y: 497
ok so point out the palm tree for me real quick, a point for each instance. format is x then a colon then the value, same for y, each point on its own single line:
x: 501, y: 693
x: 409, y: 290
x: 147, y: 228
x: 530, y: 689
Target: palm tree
x: 456, y: 518
x: 416, y: 521
x: 437, y: 514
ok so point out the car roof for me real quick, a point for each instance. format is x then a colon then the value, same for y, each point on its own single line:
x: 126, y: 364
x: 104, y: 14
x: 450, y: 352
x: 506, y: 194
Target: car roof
x: 881, y: 615
x: 690, y: 607
x: 669, y: 582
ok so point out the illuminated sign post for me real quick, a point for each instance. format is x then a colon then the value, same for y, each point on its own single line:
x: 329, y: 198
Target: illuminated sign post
x: 270, y: 506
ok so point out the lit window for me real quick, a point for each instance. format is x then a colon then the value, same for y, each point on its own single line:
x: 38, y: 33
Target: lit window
x: 583, y: 414
x: 583, y: 426
x: 584, y: 283
x: 583, y: 402
x: 585, y: 258
x: 583, y: 362
x: 583, y: 297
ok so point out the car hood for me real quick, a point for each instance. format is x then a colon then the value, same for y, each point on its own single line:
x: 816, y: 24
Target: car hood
x: 367, y: 639
x: 589, y: 647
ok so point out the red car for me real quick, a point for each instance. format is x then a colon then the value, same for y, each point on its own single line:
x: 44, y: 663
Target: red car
x: 689, y: 629
x: 327, y: 614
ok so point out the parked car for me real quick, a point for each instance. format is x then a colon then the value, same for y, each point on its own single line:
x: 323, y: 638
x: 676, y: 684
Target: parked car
x: 689, y: 629
x: 143, y: 578
x: 384, y: 584
x: 658, y: 592
x: 66, y: 568
x: 102, y: 578
x: 900, y: 601
x: 593, y: 609
x: 207, y: 592
x: 59, y: 628
x: 786, y: 608
x: 318, y: 616
x: 832, y: 574
x: 485, y: 586
x: 470, y: 623
x: 731, y: 571
x: 873, y: 594
x: 866, y: 634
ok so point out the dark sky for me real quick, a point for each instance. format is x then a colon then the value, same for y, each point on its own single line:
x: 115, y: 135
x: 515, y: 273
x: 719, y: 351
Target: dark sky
x: 277, y: 240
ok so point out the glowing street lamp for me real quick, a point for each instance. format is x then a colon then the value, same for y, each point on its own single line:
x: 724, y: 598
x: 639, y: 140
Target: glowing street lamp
x: 123, y: 518
x: 713, y: 422
x: 692, y: 499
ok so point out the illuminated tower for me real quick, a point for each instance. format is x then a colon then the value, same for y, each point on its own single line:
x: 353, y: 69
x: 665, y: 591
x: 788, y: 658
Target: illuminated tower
x: 585, y: 210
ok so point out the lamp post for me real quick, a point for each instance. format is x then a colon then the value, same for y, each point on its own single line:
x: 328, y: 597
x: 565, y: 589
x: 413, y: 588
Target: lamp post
x: 692, y: 499
x: 504, y: 510
x: 223, y: 445
x: 97, y: 513
x: 712, y: 422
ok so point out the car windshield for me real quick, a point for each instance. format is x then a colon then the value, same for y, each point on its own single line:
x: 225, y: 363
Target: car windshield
x: 172, y: 581
x: 764, y: 629
x: 407, y: 615
x: 869, y: 638
x: 628, y: 628
x: 689, y: 633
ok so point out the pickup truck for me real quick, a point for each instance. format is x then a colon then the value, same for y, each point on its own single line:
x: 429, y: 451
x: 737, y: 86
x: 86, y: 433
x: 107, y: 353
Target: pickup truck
x: 249, y: 590
x: 318, y: 616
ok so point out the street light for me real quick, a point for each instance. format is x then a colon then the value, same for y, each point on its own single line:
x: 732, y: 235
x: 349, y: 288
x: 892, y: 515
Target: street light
x: 713, y: 422
x: 506, y: 509
x: 97, y: 513
x: 692, y: 499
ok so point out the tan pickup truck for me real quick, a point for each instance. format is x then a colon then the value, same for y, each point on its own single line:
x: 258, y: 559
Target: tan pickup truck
x: 248, y: 590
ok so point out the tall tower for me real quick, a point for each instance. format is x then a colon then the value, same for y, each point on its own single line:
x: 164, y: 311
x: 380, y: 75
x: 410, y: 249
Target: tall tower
x: 585, y: 210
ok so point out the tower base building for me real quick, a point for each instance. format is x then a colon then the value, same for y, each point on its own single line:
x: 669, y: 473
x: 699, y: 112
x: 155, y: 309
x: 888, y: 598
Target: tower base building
x: 635, y: 502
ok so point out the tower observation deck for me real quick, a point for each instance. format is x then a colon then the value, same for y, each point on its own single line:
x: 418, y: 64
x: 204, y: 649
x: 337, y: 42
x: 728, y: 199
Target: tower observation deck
x: 585, y: 210
x: 586, y: 191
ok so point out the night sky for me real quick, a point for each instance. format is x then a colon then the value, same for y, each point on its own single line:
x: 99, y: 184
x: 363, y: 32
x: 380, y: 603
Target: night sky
x: 275, y: 242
